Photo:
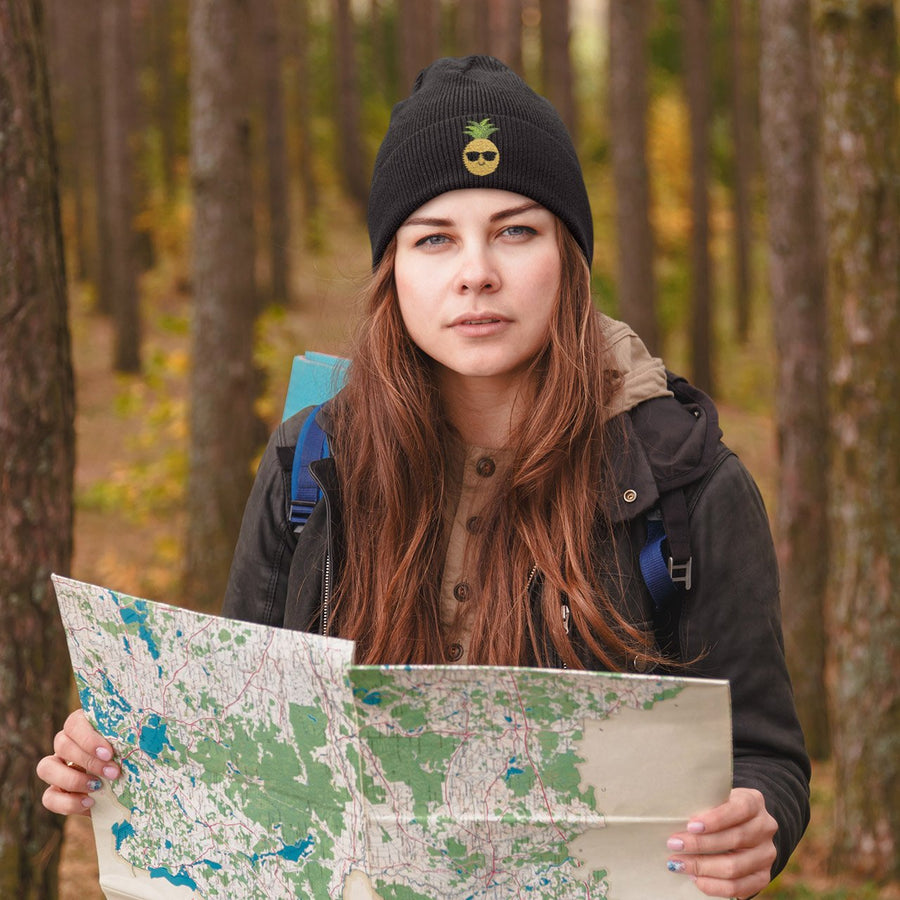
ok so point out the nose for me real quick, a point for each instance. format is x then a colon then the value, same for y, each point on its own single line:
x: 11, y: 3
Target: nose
x: 478, y: 272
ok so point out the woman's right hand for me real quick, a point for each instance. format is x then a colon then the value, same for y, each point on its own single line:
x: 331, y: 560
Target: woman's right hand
x: 80, y: 757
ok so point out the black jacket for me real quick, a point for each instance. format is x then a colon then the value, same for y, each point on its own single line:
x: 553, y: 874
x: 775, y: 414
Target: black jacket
x: 730, y: 619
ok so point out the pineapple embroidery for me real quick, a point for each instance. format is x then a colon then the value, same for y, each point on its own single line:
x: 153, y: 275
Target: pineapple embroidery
x: 481, y: 156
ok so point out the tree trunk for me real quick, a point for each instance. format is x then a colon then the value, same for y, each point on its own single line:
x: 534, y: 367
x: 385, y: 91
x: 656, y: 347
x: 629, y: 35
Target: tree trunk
x: 65, y: 57
x: 347, y: 100
x: 797, y: 285
x: 305, y: 144
x: 741, y: 130
x: 37, y: 441
x: 76, y: 97
x: 161, y: 55
x: 269, y: 56
x: 857, y: 44
x: 696, y: 14
x: 119, y: 102
x: 628, y: 128
x: 96, y: 116
x: 472, y: 35
x: 223, y: 436
x: 556, y: 61
x: 419, y: 26
x: 505, y: 28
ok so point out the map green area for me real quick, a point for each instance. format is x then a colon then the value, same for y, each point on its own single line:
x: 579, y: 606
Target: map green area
x: 261, y: 763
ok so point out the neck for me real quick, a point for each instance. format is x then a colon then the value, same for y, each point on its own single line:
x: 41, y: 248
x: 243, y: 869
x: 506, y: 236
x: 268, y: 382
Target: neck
x: 483, y: 410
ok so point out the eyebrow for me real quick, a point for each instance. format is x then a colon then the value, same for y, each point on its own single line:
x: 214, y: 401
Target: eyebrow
x: 515, y: 211
x: 496, y: 217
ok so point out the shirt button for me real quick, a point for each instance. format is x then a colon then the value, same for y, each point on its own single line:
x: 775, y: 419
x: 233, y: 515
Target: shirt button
x: 472, y: 524
x: 485, y: 467
x: 461, y: 591
x: 630, y: 495
x: 454, y: 652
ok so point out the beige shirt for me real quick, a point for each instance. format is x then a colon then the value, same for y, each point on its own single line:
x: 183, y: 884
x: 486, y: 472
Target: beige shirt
x: 474, y: 471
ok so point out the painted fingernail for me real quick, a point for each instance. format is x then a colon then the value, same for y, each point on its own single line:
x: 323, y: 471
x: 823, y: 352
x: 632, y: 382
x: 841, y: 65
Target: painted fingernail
x: 87, y: 802
x: 696, y: 827
x: 103, y: 753
x: 675, y: 865
x: 110, y: 772
x: 675, y: 844
x: 94, y: 784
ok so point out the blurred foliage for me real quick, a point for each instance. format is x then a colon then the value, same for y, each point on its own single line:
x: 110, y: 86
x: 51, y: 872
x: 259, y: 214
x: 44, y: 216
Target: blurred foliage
x: 147, y: 482
x: 808, y: 874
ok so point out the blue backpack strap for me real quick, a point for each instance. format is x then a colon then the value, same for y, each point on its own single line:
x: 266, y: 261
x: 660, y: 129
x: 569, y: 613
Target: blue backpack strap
x: 654, y: 568
x: 312, y: 444
x: 667, y: 574
x: 666, y: 567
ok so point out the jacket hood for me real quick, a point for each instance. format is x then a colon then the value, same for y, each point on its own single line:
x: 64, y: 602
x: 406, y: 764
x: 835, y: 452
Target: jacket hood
x: 662, y: 444
x: 641, y: 376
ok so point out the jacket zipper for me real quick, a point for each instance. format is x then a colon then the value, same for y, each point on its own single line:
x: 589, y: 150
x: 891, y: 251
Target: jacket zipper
x: 564, y: 609
x: 327, y: 575
x: 326, y: 592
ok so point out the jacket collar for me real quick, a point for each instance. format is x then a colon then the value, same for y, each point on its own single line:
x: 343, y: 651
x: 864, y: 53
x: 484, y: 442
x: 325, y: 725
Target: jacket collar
x: 660, y: 445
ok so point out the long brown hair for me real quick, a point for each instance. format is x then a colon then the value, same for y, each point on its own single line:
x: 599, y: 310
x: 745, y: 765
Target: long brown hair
x: 545, y: 524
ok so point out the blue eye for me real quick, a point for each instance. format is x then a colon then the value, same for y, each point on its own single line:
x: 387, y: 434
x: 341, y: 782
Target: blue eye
x: 519, y: 230
x: 433, y: 240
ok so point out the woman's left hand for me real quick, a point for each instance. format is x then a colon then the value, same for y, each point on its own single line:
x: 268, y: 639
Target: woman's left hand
x: 728, y: 850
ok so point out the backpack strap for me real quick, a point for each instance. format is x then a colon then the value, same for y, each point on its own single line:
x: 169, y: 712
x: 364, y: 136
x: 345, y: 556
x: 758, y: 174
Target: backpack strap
x: 667, y: 575
x: 668, y: 527
x: 666, y: 564
x: 312, y: 444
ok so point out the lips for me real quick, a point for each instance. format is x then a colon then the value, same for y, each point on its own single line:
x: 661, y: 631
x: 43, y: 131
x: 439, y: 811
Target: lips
x: 470, y: 319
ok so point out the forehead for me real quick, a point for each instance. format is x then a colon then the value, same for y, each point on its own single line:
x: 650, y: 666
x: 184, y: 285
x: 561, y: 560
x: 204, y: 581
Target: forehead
x: 472, y: 202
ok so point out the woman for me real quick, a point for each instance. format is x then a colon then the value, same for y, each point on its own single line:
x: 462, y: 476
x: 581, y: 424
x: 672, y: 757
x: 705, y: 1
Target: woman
x: 493, y: 466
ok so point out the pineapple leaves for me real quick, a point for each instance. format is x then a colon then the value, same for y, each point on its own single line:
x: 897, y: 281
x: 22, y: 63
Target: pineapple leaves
x: 482, y: 129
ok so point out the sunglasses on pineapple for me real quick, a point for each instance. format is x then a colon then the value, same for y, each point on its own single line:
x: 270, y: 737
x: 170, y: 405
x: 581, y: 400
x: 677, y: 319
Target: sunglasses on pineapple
x: 488, y: 155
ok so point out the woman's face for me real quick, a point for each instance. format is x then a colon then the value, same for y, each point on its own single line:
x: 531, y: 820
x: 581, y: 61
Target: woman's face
x: 477, y: 274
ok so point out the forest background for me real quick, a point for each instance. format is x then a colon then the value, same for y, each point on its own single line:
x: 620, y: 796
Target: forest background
x: 213, y: 162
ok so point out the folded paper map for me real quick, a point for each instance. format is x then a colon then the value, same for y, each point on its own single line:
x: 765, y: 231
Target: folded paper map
x: 261, y: 763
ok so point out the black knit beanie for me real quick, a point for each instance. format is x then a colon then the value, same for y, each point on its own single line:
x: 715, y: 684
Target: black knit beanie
x: 473, y: 123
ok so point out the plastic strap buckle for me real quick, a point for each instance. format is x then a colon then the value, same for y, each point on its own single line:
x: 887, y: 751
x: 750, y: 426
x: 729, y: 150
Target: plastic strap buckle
x: 680, y: 572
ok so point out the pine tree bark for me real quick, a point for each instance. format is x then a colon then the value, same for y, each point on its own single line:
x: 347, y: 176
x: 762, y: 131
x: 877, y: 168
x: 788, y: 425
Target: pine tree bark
x: 96, y: 116
x: 418, y: 32
x: 628, y: 21
x: 223, y: 435
x: 741, y: 131
x: 471, y: 34
x: 303, y: 108
x: 505, y: 31
x: 857, y: 44
x: 696, y: 15
x: 556, y: 61
x: 37, y: 454
x: 119, y: 102
x: 65, y: 57
x: 73, y: 44
x: 269, y: 57
x: 789, y: 126
x: 349, y: 106
x: 165, y: 111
